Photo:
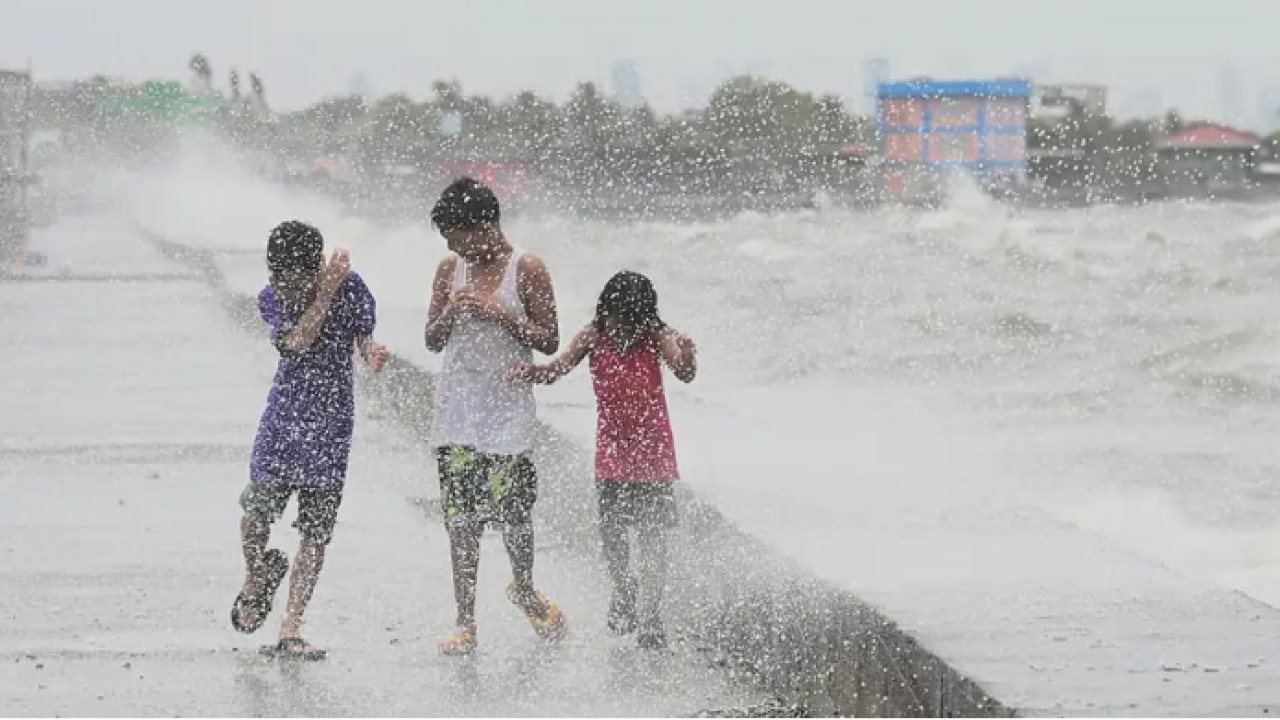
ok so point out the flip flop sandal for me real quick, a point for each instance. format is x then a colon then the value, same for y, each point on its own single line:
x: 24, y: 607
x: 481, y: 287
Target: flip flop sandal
x: 463, y: 643
x: 294, y: 648
x: 276, y: 565
x: 551, y: 628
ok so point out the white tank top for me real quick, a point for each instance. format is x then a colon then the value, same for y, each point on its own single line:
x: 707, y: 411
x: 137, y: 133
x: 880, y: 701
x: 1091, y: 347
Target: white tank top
x: 476, y: 405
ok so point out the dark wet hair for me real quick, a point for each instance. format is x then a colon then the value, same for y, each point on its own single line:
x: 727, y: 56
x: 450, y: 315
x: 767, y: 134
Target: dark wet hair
x: 294, y: 246
x: 630, y: 300
x: 465, y: 205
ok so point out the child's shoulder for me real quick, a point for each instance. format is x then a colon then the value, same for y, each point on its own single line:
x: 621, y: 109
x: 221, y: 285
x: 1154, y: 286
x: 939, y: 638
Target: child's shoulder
x: 355, y: 285
x: 448, y: 264
x: 530, y: 262
x: 270, y: 309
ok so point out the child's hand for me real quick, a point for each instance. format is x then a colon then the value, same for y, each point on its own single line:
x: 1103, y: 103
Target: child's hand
x: 375, y: 355
x: 334, y: 272
x: 686, y: 346
x: 526, y: 373
x: 680, y: 354
x: 480, y: 305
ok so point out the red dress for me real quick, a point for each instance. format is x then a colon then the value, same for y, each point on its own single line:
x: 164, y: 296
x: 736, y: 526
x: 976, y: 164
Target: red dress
x: 633, y: 428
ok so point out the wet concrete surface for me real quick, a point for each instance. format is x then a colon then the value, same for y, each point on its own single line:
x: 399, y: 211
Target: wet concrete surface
x: 131, y: 402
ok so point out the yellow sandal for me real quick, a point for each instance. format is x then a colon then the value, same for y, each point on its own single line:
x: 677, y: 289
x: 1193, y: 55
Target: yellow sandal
x: 551, y: 628
x: 463, y: 643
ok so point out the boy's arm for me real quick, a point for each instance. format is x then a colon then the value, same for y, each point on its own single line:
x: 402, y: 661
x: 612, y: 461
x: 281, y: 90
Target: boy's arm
x: 563, y: 364
x: 442, y: 314
x: 304, y: 334
x: 542, y: 330
x: 679, y: 353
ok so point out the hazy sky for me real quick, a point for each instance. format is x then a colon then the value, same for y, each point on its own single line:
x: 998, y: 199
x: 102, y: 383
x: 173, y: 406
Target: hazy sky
x: 1165, y: 52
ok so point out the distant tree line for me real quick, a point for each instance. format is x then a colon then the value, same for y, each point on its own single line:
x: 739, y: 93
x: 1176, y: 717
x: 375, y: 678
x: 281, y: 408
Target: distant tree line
x: 750, y: 127
x: 743, y: 111
x: 753, y: 132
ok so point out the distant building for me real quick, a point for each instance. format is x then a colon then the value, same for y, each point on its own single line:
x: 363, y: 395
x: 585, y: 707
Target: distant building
x: 159, y: 100
x: 1060, y: 99
x: 508, y: 180
x: 1206, y: 160
x: 626, y: 84
x: 1206, y: 136
x: 927, y: 127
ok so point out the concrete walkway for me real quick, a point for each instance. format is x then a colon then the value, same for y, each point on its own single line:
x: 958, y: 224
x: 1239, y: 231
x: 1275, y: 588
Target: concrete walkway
x: 131, y: 399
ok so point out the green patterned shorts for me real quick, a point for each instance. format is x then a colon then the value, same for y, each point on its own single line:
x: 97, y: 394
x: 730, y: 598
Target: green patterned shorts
x: 482, y: 489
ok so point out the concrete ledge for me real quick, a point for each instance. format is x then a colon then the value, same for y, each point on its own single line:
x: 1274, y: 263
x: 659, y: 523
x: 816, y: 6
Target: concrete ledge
x: 815, y: 645
x: 818, y: 649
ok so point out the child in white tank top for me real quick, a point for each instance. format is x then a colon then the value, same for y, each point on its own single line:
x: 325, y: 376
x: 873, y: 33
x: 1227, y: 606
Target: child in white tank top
x: 491, y: 306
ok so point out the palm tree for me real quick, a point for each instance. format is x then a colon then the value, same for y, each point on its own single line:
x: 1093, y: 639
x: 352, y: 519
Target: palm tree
x: 202, y: 71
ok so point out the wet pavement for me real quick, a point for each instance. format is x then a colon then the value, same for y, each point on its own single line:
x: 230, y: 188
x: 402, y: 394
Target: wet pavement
x: 131, y: 401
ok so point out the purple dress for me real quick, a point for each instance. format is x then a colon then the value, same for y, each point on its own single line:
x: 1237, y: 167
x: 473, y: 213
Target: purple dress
x: 304, y: 438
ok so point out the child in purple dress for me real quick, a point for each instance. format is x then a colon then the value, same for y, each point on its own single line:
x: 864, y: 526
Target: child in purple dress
x: 320, y: 313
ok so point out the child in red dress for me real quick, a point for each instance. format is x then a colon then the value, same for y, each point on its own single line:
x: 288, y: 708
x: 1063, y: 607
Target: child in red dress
x: 635, y: 452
